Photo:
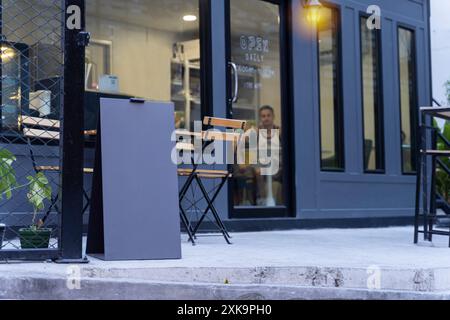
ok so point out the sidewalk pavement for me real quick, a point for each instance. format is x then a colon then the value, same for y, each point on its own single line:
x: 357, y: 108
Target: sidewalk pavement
x: 303, y: 264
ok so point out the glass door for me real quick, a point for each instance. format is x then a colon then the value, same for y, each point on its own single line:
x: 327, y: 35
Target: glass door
x: 256, y: 84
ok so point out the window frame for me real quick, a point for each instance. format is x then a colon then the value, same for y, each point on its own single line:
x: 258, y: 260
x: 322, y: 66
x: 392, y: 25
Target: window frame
x: 414, y: 96
x: 206, y: 59
x: 379, y: 111
x: 339, y: 94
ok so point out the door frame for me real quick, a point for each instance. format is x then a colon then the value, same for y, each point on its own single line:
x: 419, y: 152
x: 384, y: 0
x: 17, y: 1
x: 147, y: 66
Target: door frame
x: 206, y: 60
x: 287, y: 134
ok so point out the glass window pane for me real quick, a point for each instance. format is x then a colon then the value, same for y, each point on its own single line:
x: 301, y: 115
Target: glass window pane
x: 372, y: 98
x: 332, y: 146
x: 255, y: 49
x: 98, y: 57
x: 408, y: 103
x: 31, y: 62
x: 148, y: 49
x: 11, y: 86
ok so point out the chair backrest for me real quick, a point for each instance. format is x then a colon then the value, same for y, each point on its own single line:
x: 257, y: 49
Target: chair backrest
x: 237, y: 126
x: 40, y: 128
x: 225, y: 123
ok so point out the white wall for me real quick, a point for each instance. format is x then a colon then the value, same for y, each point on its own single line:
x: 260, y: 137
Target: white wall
x: 440, y: 43
x: 141, y: 56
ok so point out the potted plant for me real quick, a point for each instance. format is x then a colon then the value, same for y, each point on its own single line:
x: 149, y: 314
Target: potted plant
x: 35, y: 236
x: 7, y: 182
x: 39, y: 190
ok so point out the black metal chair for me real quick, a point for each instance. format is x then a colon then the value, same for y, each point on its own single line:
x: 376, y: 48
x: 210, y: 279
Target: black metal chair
x: 200, y: 175
x: 47, y: 131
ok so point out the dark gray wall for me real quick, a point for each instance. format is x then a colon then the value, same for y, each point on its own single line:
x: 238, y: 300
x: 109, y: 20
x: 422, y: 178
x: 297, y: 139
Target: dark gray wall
x: 352, y: 194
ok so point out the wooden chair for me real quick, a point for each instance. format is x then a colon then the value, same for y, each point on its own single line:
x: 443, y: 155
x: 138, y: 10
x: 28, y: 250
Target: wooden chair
x: 199, y: 175
x: 46, y: 131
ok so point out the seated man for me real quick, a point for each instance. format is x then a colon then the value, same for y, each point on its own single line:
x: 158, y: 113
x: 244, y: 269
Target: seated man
x: 267, y: 197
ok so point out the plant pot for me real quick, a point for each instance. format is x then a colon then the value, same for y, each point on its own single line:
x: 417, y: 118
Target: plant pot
x: 2, y: 234
x: 35, y: 238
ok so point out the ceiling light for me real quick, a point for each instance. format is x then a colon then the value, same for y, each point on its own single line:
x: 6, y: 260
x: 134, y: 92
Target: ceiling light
x: 190, y: 18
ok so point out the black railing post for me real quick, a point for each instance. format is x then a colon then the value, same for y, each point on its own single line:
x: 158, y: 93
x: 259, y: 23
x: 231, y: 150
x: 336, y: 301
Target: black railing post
x: 72, y: 146
x: 418, y: 184
x: 433, y: 191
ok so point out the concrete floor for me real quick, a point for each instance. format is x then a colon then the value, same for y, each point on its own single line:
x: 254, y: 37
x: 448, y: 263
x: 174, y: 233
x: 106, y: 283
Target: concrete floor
x: 295, y: 262
x: 391, y: 247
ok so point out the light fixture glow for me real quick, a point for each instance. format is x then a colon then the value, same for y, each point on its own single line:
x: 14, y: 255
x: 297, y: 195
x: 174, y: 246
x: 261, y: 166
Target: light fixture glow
x: 7, y: 53
x: 313, y: 14
x: 190, y: 18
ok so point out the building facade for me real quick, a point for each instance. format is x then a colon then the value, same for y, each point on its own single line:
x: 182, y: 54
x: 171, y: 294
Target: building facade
x: 344, y: 96
x: 343, y: 93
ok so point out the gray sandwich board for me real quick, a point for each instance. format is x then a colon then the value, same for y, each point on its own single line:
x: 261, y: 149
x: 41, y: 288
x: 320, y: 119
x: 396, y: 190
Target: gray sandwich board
x: 134, y: 209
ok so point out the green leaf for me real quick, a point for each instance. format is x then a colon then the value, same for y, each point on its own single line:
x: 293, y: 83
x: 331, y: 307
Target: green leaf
x: 446, y: 132
x: 7, y: 174
x: 435, y: 123
x: 39, y: 191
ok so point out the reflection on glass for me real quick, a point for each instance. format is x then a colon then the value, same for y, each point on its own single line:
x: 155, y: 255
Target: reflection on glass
x: 372, y: 104
x: 406, y: 43
x: 330, y: 108
x: 155, y: 52
x: 98, y: 62
x: 255, y: 49
x: 31, y: 62
x: 11, y: 87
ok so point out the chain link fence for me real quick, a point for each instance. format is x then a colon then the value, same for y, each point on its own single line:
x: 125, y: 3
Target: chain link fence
x: 32, y: 76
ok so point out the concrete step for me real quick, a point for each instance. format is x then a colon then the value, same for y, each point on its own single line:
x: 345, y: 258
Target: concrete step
x: 56, y: 288
x: 427, y: 280
x: 401, y: 279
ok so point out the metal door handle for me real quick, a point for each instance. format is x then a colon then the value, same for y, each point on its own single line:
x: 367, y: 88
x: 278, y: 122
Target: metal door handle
x: 234, y: 98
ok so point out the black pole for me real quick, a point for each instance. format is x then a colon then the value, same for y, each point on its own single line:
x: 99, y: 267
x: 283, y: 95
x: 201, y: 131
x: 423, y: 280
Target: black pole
x: 433, y: 198
x: 72, y: 142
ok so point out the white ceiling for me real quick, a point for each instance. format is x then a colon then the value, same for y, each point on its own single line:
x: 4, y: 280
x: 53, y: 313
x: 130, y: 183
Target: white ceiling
x: 168, y: 15
x: 157, y: 14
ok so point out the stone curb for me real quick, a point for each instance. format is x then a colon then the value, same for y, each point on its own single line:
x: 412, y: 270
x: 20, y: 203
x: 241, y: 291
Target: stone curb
x: 55, y: 288
x: 416, y: 280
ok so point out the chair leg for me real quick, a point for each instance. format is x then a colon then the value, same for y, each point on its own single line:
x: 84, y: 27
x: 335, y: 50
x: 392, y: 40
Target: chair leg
x: 205, y: 213
x: 224, y: 180
x: 88, y: 202
x: 187, y: 225
x: 183, y: 214
x: 214, y: 211
x: 52, y: 205
x: 186, y: 187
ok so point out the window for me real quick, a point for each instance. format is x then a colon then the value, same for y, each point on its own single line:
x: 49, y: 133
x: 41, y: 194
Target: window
x: 147, y: 49
x: 331, y: 121
x: 408, y: 99
x: 372, y: 98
